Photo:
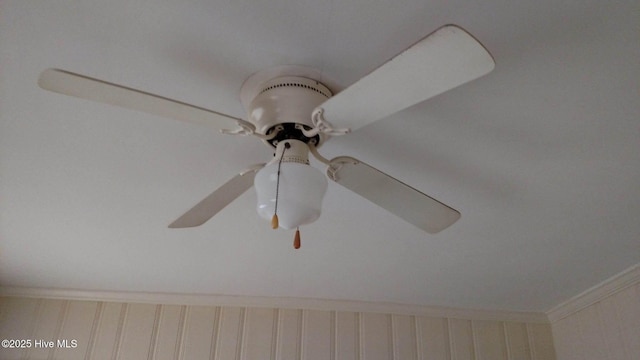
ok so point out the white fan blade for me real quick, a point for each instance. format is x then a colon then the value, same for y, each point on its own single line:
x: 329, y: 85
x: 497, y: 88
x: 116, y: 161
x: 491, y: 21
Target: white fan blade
x: 391, y: 194
x: 441, y: 61
x: 68, y: 83
x: 218, y: 199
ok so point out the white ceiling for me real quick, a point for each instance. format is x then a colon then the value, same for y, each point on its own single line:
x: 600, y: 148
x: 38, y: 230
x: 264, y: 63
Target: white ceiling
x: 541, y: 157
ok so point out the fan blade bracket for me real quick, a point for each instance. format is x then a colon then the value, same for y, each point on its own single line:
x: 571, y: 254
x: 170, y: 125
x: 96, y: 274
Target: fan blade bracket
x: 321, y: 125
x: 244, y: 129
x: 337, y: 163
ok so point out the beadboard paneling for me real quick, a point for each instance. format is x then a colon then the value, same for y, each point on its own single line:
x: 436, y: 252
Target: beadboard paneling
x: 541, y: 341
x: 107, y: 338
x: 607, y: 329
x: 231, y: 333
x: 260, y: 331
x: 199, y: 332
x: 18, y: 319
x: 110, y: 330
x: 517, y: 339
x: 347, y: 335
x: 489, y: 340
x: 404, y: 339
x: 83, y: 315
x: 317, y: 340
x: 49, y: 319
x: 288, y: 339
x: 375, y: 336
x: 433, y: 338
x: 461, y: 339
x: 169, y: 334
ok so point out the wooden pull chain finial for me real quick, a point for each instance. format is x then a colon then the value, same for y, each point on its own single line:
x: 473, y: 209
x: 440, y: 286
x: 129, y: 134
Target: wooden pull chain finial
x: 296, y: 240
x: 274, y: 221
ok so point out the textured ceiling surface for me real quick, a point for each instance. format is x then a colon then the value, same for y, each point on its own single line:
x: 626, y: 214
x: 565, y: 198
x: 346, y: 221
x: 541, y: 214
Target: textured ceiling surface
x: 541, y: 157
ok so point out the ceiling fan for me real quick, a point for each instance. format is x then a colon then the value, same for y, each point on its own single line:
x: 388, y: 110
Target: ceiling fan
x: 293, y: 112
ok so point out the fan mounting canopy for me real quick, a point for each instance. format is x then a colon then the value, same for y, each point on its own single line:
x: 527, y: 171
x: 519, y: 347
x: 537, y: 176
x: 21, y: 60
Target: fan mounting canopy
x: 284, y: 100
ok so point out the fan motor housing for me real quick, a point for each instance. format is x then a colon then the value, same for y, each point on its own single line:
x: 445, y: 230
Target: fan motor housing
x: 284, y: 101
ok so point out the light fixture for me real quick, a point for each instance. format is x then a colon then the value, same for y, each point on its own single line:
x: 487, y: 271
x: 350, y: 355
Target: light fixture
x: 289, y: 188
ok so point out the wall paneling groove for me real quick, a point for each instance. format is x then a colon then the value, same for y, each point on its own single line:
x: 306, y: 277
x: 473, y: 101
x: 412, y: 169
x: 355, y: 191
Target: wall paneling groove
x: 112, y: 330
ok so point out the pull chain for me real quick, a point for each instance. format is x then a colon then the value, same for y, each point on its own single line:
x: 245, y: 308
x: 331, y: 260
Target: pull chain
x: 274, y: 219
x: 296, y: 239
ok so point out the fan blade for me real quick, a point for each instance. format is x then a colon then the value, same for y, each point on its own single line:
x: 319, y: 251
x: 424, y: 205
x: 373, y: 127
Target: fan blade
x: 68, y: 83
x: 218, y: 199
x: 441, y: 61
x: 391, y: 194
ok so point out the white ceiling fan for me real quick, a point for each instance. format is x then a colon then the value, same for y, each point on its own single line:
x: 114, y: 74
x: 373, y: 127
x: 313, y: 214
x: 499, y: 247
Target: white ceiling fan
x: 293, y: 112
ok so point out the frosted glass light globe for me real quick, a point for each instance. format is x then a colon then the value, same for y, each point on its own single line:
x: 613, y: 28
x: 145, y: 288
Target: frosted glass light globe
x: 302, y: 188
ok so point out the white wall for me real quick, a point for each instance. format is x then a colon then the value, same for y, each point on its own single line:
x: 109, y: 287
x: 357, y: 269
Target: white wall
x: 114, y: 330
x: 601, y: 324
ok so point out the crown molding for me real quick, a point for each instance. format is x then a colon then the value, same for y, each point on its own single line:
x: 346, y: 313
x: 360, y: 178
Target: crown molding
x: 609, y: 287
x: 275, y: 302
